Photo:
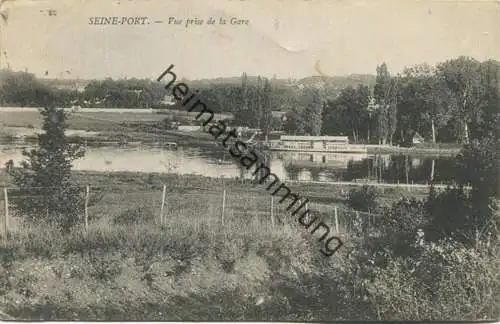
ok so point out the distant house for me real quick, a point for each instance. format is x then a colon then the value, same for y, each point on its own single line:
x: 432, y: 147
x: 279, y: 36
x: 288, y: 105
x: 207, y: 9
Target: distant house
x: 168, y: 100
x: 66, y: 84
x: 278, y: 114
x: 417, y: 139
x: 188, y: 128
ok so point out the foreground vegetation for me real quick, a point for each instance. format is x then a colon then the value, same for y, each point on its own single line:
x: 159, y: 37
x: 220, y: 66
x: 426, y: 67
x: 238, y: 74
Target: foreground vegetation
x: 128, y: 267
x: 141, y: 271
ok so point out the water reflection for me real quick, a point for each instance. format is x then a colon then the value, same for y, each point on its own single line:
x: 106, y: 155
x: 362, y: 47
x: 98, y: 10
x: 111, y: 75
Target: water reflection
x: 286, y: 165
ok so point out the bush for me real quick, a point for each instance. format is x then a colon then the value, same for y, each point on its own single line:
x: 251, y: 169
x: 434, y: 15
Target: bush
x: 399, y: 226
x: 363, y: 199
x: 449, y: 214
x: 464, y: 214
x: 443, y: 281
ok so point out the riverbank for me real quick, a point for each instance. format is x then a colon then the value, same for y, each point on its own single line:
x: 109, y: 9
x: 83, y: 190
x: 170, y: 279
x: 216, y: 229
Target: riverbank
x: 151, y: 135
x: 192, y: 139
x: 131, y: 126
x: 105, y: 126
x: 21, y: 135
x: 443, y: 149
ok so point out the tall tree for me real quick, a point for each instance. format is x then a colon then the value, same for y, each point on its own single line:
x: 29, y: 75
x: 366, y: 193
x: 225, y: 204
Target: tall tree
x: 45, y: 177
x: 314, y: 103
x: 385, y: 96
x: 332, y: 124
x: 242, y: 110
x: 24, y: 89
x: 382, y: 84
x: 487, y: 126
x: 371, y: 125
x: 422, y: 101
x: 462, y: 77
x: 352, y: 111
x: 362, y: 103
x: 267, y: 107
x: 295, y: 123
x: 258, y: 102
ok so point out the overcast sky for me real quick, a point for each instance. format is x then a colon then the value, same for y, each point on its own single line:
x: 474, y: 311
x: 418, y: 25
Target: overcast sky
x: 286, y: 38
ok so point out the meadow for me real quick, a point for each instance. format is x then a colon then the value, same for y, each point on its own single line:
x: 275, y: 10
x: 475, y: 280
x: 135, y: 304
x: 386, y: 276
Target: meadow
x: 92, y: 119
x: 126, y: 265
x: 111, y: 126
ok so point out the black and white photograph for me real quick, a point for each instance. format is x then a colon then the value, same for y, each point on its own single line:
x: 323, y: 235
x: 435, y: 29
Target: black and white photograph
x: 249, y: 160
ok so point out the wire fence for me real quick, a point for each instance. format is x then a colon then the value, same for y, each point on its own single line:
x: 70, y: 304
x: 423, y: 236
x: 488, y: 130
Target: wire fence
x: 160, y: 204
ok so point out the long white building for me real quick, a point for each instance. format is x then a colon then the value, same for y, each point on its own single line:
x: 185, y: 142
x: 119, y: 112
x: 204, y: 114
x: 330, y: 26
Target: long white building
x: 315, y: 144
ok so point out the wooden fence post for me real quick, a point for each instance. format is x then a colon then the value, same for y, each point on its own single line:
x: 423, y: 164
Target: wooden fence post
x: 163, y: 196
x: 87, y: 193
x: 358, y: 219
x: 272, y: 215
x: 223, y: 206
x: 6, y: 222
x: 336, y: 220
x: 348, y: 225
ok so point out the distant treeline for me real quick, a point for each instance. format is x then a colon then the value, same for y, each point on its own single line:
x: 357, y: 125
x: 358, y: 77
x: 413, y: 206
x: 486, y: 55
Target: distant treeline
x: 455, y: 101
x: 24, y: 89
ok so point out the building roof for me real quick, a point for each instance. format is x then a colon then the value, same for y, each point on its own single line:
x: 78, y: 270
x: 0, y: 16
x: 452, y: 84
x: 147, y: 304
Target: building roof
x: 313, y: 138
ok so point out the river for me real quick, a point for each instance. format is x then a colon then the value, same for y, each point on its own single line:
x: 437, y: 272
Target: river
x: 299, y: 166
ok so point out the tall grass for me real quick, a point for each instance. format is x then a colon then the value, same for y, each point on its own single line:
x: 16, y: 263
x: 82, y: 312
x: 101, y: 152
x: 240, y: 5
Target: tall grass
x: 194, y: 269
x: 127, y: 266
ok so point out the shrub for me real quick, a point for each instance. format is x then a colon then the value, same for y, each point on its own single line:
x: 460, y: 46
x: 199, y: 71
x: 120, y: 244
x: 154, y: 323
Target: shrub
x: 465, y: 215
x: 443, y: 281
x: 399, y: 226
x: 449, y: 214
x: 363, y: 199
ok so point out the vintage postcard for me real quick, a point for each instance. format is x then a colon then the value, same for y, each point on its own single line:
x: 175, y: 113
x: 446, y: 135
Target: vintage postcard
x: 225, y: 160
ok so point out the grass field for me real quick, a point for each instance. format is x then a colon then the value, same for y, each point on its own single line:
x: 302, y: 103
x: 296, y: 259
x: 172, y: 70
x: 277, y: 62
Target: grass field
x: 118, y: 194
x: 111, y: 126
x: 98, y: 121
x: 93, y: 120
x: 137, y: 183
x: 128, y: 266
